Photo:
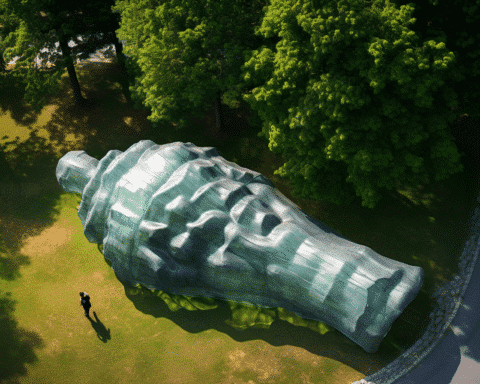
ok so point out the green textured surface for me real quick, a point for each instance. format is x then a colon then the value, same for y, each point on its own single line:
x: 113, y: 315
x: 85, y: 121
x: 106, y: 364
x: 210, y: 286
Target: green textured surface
x: 244, y: 315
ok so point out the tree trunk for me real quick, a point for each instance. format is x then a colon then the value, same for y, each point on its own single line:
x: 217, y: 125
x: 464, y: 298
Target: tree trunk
x: 3, y: 65
x: 218, y: 113
x: 124, y: 81
x: 77, y: 92
x: 119, y: 51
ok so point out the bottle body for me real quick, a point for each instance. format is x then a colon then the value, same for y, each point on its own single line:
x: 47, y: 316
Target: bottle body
x: 183, y: 220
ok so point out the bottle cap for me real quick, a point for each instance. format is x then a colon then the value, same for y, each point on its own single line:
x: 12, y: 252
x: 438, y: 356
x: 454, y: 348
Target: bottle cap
x: 74, y: 171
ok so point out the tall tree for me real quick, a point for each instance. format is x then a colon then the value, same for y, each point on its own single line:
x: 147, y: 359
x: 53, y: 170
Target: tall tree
x: 16, y: 40
x: 352, y: 97
x: 354, y: 100
x: 455, y: 23
x: 44, y: 23
x: 189, y: 53
x: 8, y: 23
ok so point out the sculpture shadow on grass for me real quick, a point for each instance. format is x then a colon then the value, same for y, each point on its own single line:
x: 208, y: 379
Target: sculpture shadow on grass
x: 245, y: 322
x: 332, y: 344
x: 292, y: 330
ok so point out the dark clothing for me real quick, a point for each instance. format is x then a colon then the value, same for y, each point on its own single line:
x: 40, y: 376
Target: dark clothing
x: 85, y: 302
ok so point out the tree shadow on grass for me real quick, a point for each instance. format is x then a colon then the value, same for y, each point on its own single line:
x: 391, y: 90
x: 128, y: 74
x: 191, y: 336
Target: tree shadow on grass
x: 17, y: 344
x: 29, y: 193
x: 12, y: 92
x: 35, y: 190
x: 106, y: 122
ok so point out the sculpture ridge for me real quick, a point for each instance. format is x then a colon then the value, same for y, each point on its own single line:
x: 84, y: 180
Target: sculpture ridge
x: 181, y: 219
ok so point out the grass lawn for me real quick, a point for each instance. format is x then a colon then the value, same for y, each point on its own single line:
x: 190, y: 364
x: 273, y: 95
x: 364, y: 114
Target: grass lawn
x: 45, y: 261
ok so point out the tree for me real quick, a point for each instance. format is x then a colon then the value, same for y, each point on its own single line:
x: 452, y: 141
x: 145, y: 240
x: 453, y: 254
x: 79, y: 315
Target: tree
x: 347, y: 94
x: 8, y: 23
x: 188, y: 53
x: 44, y: 23
x: 455, y: 23
x: 15, y: 38
x: 352, y: 100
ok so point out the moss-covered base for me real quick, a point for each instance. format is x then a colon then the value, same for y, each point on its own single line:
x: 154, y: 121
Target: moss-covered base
x: 244, y: 315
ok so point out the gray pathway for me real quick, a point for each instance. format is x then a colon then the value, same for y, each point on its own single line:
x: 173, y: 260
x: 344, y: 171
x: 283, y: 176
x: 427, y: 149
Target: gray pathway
x: 449, y: 351
x: 456, y: 357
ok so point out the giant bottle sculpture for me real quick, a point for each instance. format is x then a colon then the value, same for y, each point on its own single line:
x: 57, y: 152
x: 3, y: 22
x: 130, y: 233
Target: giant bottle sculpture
x: 182, y: 219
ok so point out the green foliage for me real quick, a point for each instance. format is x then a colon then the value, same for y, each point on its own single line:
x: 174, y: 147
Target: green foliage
x: 245, y: 315
x: 354, y: 94
x: 353, y: 101
x: 441, y: 21
x: 30, y: 26
x: 40, y: 85
x: 19, y: 40
x: 187, y: 52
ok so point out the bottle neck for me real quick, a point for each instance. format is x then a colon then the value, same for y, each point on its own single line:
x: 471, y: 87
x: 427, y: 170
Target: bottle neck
x: 74, y: 170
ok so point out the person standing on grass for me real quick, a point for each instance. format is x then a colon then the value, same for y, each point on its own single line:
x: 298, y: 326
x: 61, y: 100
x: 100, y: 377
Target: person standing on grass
x: 85, y: 302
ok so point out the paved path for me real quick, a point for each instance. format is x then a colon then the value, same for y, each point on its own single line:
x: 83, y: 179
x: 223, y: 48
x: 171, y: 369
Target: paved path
x: 449, y: 351
x: 456, y: 358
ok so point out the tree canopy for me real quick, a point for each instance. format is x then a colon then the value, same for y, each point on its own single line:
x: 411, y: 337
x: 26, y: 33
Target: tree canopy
x: 346, y: 91
x: 354, y: 100
x: 30, y: 26
x: 188, y: 52
x: 454, y: 22
x: 17, y: 40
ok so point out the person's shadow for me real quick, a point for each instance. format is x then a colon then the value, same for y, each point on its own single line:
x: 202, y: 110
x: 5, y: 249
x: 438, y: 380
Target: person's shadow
x: 102, y: 332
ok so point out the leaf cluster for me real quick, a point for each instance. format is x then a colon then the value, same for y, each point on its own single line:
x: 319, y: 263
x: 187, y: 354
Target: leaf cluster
x: 352, y: 93
x: 346, y: 91
x: 354, y: 100
x: 188, y: 52
x: 30, y: 27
